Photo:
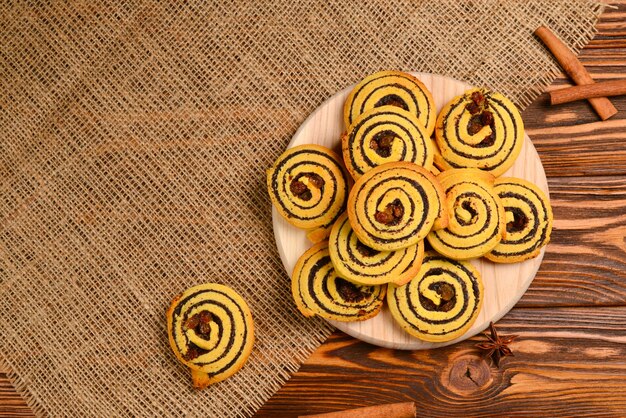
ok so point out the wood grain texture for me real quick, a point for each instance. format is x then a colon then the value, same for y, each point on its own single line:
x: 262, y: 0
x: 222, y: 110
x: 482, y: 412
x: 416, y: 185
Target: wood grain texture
x: 585, y: 263
x: 569, y: 360
x: 11, y: 403
x: 572, y: 142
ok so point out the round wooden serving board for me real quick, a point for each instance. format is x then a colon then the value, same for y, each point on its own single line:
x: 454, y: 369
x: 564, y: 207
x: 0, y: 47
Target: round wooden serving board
x: 504, y: 283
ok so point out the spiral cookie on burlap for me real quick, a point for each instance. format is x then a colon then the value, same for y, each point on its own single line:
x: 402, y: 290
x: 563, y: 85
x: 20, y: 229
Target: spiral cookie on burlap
x: 211, y: 331
x: 317, y: 290
x: 395, y: 205
x: 308, y: 187
x: 528, y: 221
x: 361, y: 264
x: 441, y: 303
x: 476, y: 223
x: 479, y: 129
x: 393, y: 88
x: 383, y: 135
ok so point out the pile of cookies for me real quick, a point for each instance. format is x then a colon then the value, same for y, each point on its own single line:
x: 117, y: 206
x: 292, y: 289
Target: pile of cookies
x: 395, y: 190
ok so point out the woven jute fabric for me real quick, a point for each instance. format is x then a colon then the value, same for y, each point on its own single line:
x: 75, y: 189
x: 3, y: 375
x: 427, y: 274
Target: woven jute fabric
x: 134, y: 139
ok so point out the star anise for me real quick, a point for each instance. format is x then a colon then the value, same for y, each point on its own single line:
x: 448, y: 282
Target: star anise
x: 497, y: 346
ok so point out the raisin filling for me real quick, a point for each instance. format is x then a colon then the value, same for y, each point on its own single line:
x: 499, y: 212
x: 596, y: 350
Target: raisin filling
x: 477, y: 101
x: 193, y: 352
x: 364, y: 250
x: 481, y: 117
x: 381, y: 143
x: 349, y: 292
x: 392, y: 214
x: 200, y: 323
x: 392, y: 100
x: 301, y: 190
x: 520, y: 221
x: 447, y: 295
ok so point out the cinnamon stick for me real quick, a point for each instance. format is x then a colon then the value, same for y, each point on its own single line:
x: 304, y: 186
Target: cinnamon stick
x: 601, y: 89
x: 392, y: 410
x: 603, y: 106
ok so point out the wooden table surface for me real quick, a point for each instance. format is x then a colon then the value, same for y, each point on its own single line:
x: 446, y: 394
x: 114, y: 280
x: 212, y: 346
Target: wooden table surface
x: 570, y: 358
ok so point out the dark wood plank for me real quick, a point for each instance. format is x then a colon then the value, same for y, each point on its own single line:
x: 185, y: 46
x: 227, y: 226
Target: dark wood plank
x: 585, y: 263
x: 572, y: 141
x: 570, y: 138
x: 11, y: 403
x: 568, y: 361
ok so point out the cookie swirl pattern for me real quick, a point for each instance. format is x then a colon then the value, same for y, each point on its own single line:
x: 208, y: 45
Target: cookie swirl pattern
x: 317, y: 290
x: 309, y: 187
x: 361, y: 264
x: 479, y: 129
x: 394, y: 88
x: 476, y: 222
x: 395, y: 206
x: 441, y: 303
x: 383, y: 135
x: 528, y: 221
x: 211, y: 331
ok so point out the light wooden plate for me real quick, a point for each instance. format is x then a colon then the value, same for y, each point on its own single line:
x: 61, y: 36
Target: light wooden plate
x: 504, y: 283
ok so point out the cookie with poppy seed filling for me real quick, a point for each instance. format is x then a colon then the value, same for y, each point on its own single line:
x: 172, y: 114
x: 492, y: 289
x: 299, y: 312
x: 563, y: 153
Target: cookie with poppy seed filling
x: 528, y: 221
x: 391, y: 88
x: 318, y: 290
x: 479, y: 129
x: 441, y: 303
x: 476, y: 223
x: 309, y: 187
x: 395, y: 205
x: 210, y: 330
x: 384, y: 135
x: 358, y: 263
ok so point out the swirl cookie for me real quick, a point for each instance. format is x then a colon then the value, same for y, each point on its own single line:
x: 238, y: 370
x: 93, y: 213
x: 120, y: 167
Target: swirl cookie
x: 308, y: 187
x: 361, y: 264
x: 393, y: 88
x: 383, y: 135
x: 211, y: 331
x: 317, y: 290
x: 441, y: 303
x: 479, y: 129
x: 395, y: 206
x: 477, y: 222
x: 528, y: 221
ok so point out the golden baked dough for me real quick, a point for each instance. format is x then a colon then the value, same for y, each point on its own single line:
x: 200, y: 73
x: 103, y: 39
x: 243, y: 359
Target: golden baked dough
x: 383, y: 135
x: 317, y: 290
x: 358, y: 263
x: 479, y: 129
x: 528, y: 221
x: 394, y: 88
x: 211, y: 331
x: 309, y: 187
x: 476, y: 222
x: 441, y: 303
x: 395, y: 205
x: 438, y: 164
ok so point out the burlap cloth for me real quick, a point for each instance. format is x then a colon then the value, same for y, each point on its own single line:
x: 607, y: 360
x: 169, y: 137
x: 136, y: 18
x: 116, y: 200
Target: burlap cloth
x: 134, y: 143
